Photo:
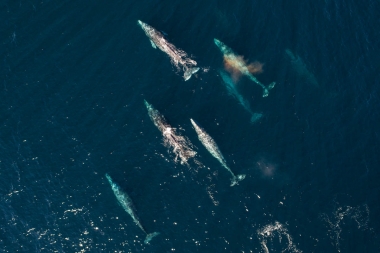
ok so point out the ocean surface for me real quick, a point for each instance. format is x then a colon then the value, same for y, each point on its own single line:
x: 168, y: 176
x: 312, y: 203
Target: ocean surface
x: 74, y: 76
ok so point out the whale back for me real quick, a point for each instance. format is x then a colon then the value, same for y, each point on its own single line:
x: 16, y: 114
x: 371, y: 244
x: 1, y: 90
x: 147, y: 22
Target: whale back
x: 125, y: 201
x: 208, y: 142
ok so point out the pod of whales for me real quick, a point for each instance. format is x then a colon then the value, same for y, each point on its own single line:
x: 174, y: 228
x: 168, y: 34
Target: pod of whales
x: 181, y: 145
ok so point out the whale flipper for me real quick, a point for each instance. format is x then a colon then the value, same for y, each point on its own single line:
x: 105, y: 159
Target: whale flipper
x: 235, y: 180
x: 189, y: 72
x: 266, y: 89
x: 153, y: 45
x: 150, y: 237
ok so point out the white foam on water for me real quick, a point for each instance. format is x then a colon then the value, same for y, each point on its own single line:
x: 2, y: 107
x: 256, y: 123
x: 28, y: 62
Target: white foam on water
x: 181, y: 146
x: 335, y: 222
x: 211, y: 193
x: 268, y: 232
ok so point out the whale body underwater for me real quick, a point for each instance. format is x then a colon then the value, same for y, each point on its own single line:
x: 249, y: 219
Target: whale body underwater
x: 127, y: 204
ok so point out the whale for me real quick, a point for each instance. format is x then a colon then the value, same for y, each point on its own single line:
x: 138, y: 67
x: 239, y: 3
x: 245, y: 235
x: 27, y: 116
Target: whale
x: 126, y: 202
x: 231, y: 88
x: 180, y: 145
x: 213, y: 149
x: 178, y: 57
x: 241, y: 66
x: 301, y: 69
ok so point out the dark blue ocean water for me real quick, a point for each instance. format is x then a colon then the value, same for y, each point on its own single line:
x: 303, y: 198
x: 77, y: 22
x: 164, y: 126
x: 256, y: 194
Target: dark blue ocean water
x: 73, y: 79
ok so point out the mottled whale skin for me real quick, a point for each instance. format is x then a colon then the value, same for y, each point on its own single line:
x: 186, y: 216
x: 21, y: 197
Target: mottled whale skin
x: 126, y: 202
x: 180, y: 145
x: 242, y: 67
x: 178, y: 57
x: 213, y: 148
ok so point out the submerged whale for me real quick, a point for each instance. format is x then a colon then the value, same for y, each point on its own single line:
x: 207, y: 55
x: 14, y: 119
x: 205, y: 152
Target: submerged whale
x: 182, y: 147
x: 240, y: 65
x: 301, y: 69
x: 178, y: 57
x: 231, y: 88
x: 126, y: 202
x: 213, y: 148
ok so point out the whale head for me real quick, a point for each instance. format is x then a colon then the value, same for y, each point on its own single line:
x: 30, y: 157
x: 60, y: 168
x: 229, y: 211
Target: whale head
x: 222, y: 46
x: 197, y: 128
x: 109, y: 179
x: 148, y: 106
x: 218, y: 43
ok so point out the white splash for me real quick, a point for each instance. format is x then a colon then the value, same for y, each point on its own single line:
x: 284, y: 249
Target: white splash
x: 181, y: 145
x: 270, y: 230
x: 211, y: 193
x: 178, y: 57
x: 359, y: 214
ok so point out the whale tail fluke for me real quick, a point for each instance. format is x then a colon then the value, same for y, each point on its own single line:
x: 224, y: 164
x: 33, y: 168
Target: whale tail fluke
x: 271, y: 85
x: 150, y: 237
x: 236, y: 179
x: 255, y: 117
x: 266, y: 89
x: 189, y: 72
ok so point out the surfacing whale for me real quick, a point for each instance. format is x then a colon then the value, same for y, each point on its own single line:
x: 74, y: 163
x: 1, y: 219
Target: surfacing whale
x: 126, y: 202
x: 240, y: 65
x: 231, y: 88
x: 182, y: 147
x: 213, y: 148
x: 178, y: 57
